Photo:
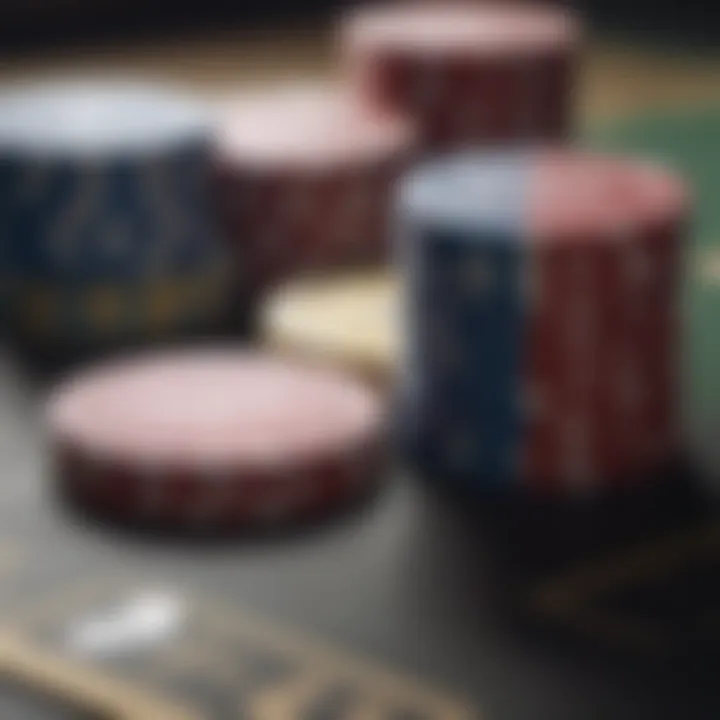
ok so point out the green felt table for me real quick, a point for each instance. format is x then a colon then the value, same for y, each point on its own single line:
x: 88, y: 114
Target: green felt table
x: 689, y: 139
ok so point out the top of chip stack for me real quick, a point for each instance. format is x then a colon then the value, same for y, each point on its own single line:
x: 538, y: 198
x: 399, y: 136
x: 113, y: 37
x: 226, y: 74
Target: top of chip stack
x: 470, y: 74
x: 95, y: 120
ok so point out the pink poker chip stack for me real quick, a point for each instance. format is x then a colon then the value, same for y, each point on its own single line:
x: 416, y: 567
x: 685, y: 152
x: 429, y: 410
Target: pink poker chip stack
x: 214, y: 440
x: 468, y: 73
x: 305, y: 179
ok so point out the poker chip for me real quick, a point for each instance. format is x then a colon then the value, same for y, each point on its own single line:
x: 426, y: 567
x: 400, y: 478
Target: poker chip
x: 469, y: 74
x: 541, y: 300
x: 349, y: 321
x: 305, y: 177
x: 105, y: 208
x: 214, y: 440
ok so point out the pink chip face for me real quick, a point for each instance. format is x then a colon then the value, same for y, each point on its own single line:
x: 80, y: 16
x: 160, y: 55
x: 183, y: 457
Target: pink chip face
x: 583, y: 196
x: 459, y: 28
x: 308, y: 126
x: 217, y: 409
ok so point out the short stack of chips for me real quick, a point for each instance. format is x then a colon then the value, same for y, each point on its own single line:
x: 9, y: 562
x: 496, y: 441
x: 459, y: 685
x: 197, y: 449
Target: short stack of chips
x: 469, y: 73
x: 541, y: 302
x: 214, y: 440
x: 107, y: 222
x: 305, y: 181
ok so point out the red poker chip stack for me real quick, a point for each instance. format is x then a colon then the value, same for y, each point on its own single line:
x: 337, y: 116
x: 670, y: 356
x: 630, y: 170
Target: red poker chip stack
x: 305, y: 179
x: 468, y: 73
x: 602, y: 366
x: 214, y: 440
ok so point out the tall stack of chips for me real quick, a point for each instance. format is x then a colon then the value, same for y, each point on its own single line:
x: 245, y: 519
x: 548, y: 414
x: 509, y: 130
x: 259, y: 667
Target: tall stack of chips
x: 541, y: 304
x: 105, y: 210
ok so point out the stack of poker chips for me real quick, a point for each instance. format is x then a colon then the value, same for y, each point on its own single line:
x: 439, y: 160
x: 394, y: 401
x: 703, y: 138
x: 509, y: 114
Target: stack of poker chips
x: 306, y: 174
x: 468, y: 74
x: 214, y: 439
x: 108, y: 231
x: 541, y: 297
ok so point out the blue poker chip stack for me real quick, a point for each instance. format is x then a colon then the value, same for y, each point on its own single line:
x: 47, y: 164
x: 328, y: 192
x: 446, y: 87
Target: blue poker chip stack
x: 106, y: 222
x: 460, y: 230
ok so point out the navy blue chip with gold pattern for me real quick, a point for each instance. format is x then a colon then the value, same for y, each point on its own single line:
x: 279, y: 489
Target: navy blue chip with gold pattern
x: 105, y: 201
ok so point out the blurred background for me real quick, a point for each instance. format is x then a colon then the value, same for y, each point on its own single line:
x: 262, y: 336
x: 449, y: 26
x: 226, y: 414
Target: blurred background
x: 41, y: 20
x: 38, y: 22
x: 215, y: 44
x: 650, y: 80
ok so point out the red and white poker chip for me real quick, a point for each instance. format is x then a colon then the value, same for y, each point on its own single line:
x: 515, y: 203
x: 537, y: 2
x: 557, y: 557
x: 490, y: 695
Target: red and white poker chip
x: 469, y: 73
x: 216, y: 439
x: 305, y: 176
x: 608, y: 237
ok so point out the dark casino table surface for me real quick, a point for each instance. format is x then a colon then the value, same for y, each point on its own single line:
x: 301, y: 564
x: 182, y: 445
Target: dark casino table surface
x: 411, y: 606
